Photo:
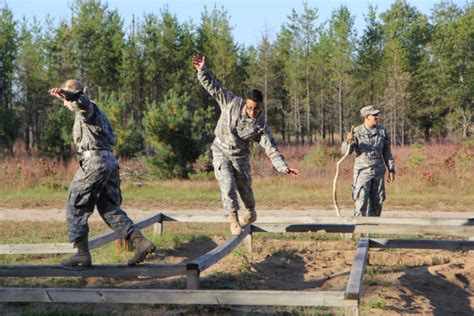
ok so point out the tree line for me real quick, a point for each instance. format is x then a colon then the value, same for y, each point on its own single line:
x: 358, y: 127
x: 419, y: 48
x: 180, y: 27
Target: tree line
x: 315, y: 76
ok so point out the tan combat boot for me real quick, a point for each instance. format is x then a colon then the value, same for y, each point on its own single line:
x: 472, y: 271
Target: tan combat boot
x: 82, y: 257
x: 249, y: 218
x: 234, y: 224
x: 141, y: 247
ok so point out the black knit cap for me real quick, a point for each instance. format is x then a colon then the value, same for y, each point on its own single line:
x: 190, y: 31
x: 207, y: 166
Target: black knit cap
x: 255, y: 95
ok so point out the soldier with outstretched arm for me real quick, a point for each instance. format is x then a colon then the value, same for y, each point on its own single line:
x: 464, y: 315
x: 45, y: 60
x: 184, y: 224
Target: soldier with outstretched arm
x: 371, y: 143
x: 241, y: 123
x: 97, y: 181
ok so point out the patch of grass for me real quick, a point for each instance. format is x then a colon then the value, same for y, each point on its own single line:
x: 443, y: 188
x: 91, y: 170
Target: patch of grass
x: 312, y: 310
x: 435, y: 260
x: 377, y: 302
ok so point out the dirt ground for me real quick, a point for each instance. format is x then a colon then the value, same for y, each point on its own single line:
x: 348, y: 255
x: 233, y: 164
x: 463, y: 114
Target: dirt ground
x: 396, y: 282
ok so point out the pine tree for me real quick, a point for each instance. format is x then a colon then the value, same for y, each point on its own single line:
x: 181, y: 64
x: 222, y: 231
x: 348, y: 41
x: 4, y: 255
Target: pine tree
x: 8, y: 53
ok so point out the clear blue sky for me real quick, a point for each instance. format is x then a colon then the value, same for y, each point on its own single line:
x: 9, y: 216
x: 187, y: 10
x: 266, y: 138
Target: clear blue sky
x: 249, y: 18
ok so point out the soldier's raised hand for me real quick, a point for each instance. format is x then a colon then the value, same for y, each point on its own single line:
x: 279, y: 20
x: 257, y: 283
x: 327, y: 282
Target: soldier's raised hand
x: 350, y: 135
x: 58, y: 93
x: 199, y: 61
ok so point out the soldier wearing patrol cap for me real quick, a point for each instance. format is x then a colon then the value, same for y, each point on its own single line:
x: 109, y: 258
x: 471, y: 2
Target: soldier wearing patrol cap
x: 371, y: 143
x: 97, y: 182
x: 240, y: 124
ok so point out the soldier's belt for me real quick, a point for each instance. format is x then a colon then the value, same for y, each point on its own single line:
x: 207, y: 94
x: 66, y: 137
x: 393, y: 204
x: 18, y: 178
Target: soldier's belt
x: 224, y: 145
x: 96, y: 153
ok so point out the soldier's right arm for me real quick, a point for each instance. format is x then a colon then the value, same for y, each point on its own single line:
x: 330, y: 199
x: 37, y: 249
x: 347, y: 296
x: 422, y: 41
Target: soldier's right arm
x: 214, y: 88
x: 351, y: 141
x: 81, y: 104
x: 345, y: 145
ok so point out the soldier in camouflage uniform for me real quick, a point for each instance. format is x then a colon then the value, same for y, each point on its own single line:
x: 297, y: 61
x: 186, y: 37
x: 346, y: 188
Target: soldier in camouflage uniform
x: 240, y: 124
x: 371, y: 143
x: 97, y: 182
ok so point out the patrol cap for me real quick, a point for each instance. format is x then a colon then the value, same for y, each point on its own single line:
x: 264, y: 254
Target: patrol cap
x: 74, y: 86
x: 369, y: 110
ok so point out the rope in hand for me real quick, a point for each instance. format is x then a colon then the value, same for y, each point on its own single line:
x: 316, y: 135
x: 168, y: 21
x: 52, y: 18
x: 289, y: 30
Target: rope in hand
x: 334, y: 191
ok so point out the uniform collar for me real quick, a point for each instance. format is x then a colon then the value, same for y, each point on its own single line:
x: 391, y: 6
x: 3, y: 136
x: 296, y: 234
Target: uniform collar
x: 368, y: 131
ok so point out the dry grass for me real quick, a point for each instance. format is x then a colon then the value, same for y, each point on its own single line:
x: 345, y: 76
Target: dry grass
x: 430, y: 177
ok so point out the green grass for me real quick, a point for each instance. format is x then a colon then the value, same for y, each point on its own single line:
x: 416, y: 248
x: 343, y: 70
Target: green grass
x: 377, y: 302
x: 270, y: 192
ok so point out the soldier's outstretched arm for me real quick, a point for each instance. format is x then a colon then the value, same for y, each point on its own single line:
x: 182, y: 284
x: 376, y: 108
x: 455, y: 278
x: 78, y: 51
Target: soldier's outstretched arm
x: 77, y: 102
x: 212, y: 86
x: 272, y: 151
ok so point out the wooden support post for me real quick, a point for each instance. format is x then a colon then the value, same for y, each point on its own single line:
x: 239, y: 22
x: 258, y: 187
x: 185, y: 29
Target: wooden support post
x: 192, y: 279
x: 351, y: 311
x: 248, y: 242
x: 158, y: 228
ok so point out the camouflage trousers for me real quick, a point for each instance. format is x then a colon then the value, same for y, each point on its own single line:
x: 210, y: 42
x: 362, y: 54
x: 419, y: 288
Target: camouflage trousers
x: 233, y: 175
x: 97, y: 182
x: 368, y: 192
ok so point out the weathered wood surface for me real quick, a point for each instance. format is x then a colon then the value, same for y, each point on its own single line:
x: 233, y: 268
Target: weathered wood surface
x: 205, y: 261
x: 460, y: 245
x: 462, y: 231
x: 95, y: 242
x: 43, y: 248
x: 288, y: 219
x: 105, y: 238
x: 108, y: 271
x: 356, y: 277
x: 186, y: 297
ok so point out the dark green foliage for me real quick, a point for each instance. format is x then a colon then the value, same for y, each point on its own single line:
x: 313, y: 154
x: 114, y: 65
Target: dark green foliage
x: 129, y: 141
x: 173, y: 135
x: 315, y: 76
x: 8, y: 130
x: 56, y: 139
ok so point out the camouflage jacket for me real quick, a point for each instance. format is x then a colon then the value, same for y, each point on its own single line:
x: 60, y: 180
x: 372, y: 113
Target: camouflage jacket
x: 235, y: 131
x: 92, y: 130
x: 372, y: 147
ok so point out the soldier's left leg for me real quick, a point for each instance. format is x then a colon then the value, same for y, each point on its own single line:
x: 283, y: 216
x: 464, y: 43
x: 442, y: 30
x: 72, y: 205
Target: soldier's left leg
x: 244, y: 187
x: 361, y: 192
x: 377, y: 195
x: 108, y: 205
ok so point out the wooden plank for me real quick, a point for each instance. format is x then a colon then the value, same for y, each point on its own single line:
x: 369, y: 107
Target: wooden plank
x: 186, y: 297
x: 464, y: 231
x: 461, y: 231
x: 108, y: 271
x: 11, y: 249
x: 356, y: 277
x: 205, y: 261
x: 298, y: 228
x: 105, y: 238
x: 282, y: 219
x: 460, y: 245
x: 95, y: 242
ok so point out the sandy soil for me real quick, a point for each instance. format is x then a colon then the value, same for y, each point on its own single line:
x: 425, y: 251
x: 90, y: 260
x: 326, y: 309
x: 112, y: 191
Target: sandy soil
x: 408, y: 282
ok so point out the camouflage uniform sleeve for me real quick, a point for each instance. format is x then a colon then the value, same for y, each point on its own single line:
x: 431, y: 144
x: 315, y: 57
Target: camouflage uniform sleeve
x: 81, y: 103
x: 353, y: 146
x: 214, y: 88
x: 272, y: 151
x: 387, y: 153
